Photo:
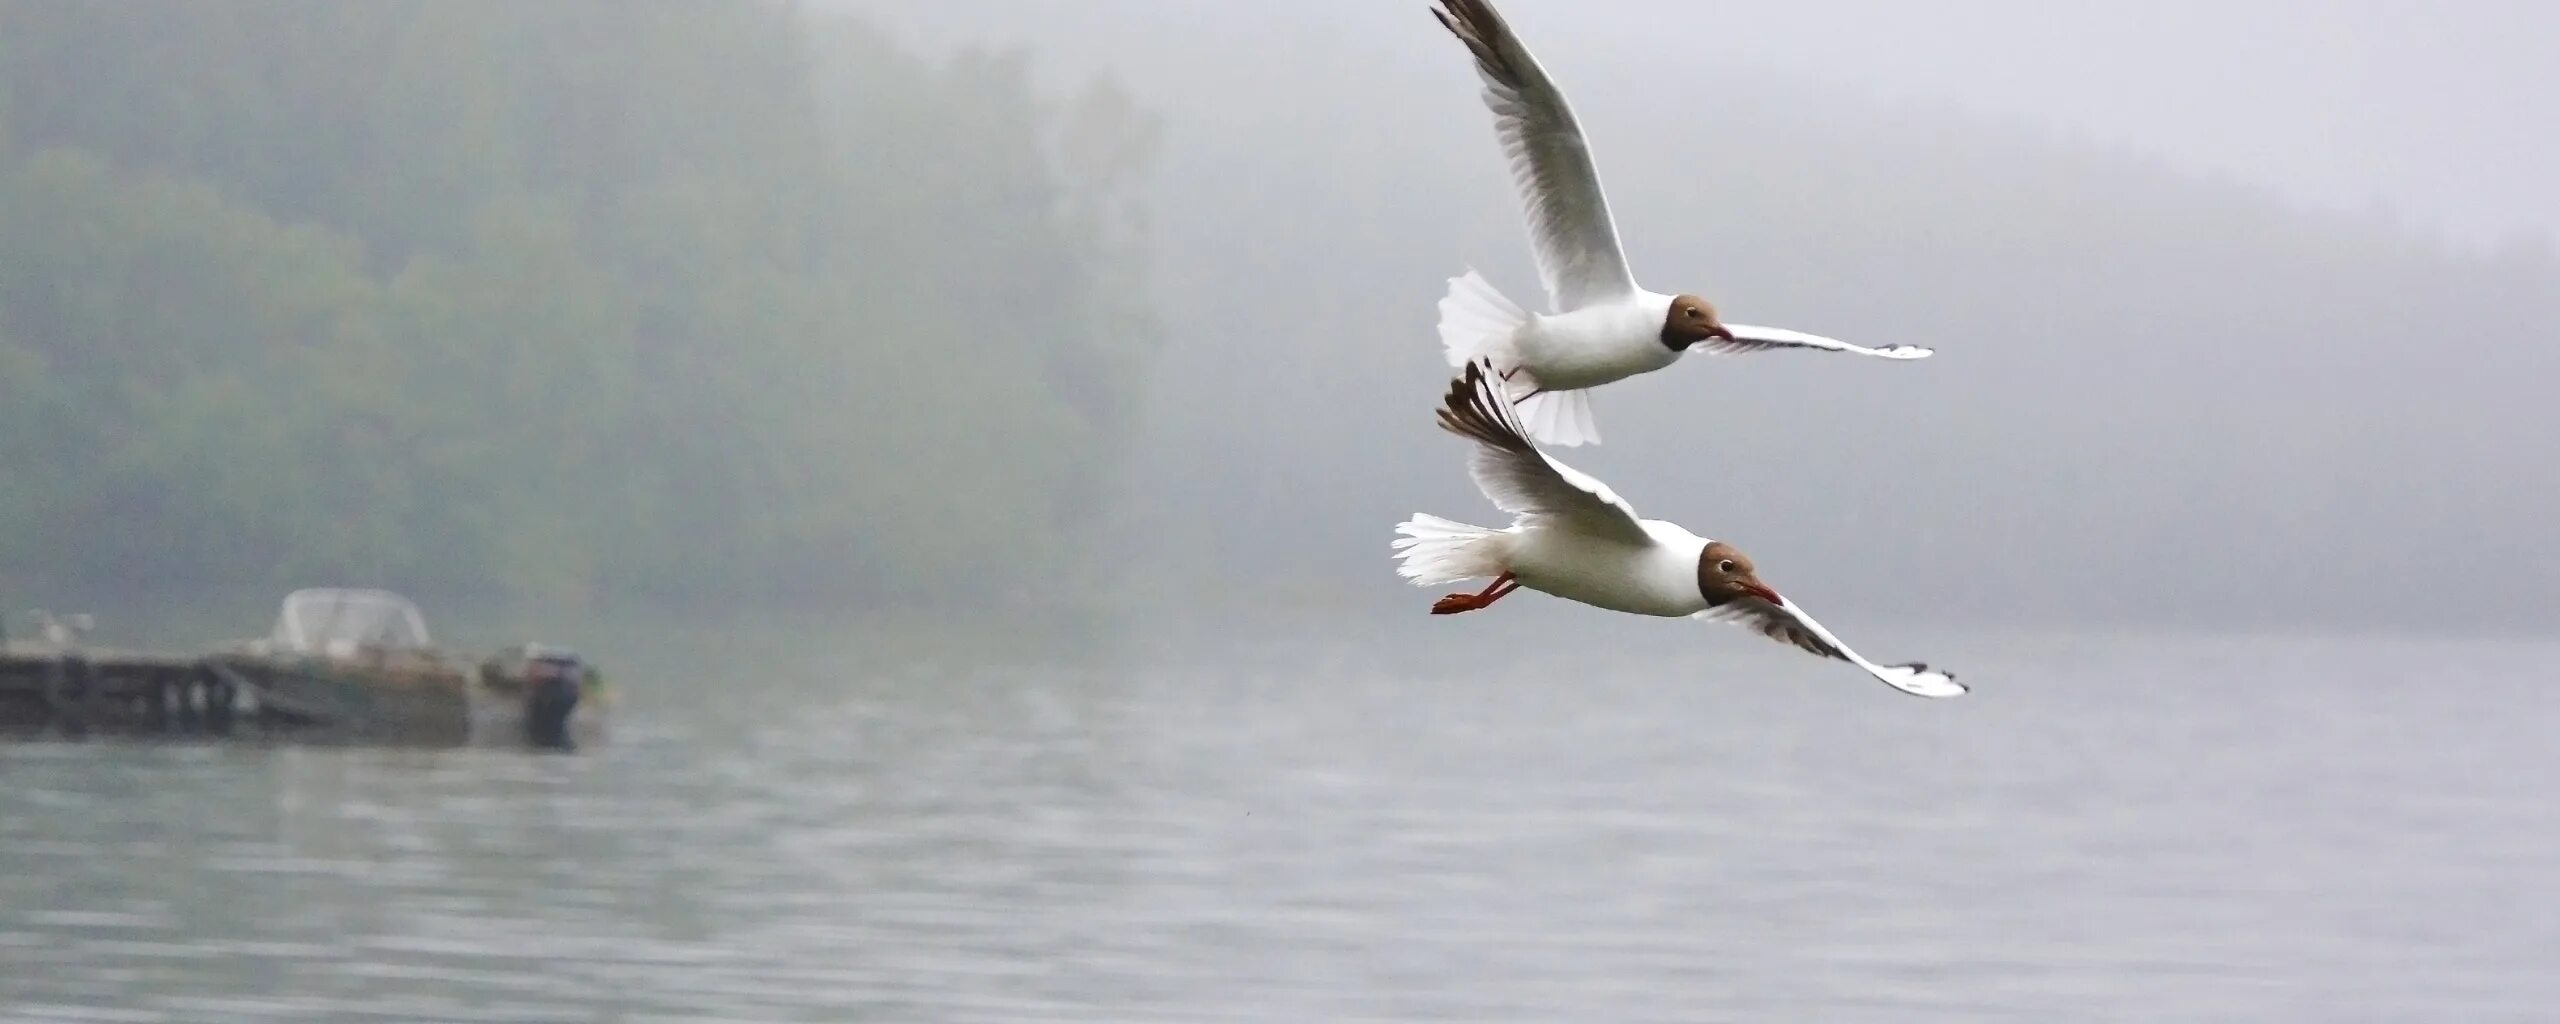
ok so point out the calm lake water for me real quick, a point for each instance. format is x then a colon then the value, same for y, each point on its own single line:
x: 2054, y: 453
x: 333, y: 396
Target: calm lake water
x: 1345, y: 820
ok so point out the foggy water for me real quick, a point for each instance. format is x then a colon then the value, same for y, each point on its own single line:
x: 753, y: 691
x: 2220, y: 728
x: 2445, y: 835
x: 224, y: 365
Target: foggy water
x: 1337, y: 822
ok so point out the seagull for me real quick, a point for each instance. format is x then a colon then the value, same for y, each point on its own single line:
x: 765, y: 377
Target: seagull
x: 1605, y: 327
x: 1574, y: 538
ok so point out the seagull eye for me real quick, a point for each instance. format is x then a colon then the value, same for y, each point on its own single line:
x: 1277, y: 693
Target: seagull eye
x: 1725, y: 566
x: 1695, y: 312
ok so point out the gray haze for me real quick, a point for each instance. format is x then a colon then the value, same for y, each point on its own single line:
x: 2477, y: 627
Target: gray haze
x: 978, y: 486
x: 2420, y: 111
x: 2183, y: 375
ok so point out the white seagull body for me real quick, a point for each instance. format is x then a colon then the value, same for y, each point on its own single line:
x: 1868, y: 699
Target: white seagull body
x: 1605, y: 326
x: 1574, y: 538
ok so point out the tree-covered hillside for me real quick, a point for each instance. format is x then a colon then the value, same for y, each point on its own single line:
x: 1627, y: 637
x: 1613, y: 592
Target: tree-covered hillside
x: 581, y: 295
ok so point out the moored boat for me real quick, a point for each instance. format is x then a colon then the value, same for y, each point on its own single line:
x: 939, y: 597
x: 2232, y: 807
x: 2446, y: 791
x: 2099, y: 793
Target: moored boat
x: 363, y: 662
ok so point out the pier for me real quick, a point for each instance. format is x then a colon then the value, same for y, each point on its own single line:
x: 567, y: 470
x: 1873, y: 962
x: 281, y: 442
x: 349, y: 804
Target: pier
x: 61, y: 685
x: 80, y: 690
x: 343, y: 664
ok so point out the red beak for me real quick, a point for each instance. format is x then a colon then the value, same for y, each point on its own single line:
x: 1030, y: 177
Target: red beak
x: 1763, y: 593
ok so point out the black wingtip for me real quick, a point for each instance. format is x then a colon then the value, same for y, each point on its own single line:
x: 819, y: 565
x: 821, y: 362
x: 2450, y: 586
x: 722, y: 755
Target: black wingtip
x: 1472, y: 409
x: 1480, y: 27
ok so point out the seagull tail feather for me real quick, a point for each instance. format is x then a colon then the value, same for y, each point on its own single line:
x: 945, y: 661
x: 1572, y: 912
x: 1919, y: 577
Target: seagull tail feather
x: 1478, y: 322
x: 1435, y: 551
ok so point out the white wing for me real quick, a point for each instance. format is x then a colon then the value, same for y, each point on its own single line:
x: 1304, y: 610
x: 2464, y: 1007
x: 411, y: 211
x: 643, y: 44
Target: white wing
x: 1516, y: 476
x: 1747, y: 338
x: 1787, y: 623
x: 1569, y: 225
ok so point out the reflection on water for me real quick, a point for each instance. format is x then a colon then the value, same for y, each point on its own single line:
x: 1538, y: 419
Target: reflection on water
x: 1317, y: 824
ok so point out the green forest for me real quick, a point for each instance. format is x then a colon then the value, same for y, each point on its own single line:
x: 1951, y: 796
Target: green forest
x: 647, y: 298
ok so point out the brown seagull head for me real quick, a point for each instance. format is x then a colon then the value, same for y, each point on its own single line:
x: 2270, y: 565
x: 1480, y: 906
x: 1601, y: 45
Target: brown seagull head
x: 1725, y: 575
x: 1690, y: 321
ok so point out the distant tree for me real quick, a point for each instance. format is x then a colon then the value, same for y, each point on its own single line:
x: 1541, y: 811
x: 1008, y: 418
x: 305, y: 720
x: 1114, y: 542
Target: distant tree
x: 648, y: 296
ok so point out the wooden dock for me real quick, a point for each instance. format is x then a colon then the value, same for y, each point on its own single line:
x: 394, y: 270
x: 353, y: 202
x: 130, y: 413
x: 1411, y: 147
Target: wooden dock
x: 345, y: 665
x: 78, y: 690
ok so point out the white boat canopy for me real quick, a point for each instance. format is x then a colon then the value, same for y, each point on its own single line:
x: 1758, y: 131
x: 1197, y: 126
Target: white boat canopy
x: 339, y: 622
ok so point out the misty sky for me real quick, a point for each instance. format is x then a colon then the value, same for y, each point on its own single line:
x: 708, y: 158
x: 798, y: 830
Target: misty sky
x: 2436, y: 112
x: 2228, y: 321
x: 2242, y: 311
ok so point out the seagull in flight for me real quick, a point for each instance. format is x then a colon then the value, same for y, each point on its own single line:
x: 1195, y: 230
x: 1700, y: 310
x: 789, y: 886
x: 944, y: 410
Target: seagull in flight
x: 1604, y: 327
x: 1574, y: 538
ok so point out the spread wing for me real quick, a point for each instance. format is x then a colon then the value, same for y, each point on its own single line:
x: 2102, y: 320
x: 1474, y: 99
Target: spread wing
x: 1747, y: 338
x: 1569, y: 225
x: 1786, y: 623
x: 1516, y: 476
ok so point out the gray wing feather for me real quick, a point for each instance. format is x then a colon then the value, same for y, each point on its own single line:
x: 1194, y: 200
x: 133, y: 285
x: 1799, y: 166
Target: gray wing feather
x: 1568, y: 213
